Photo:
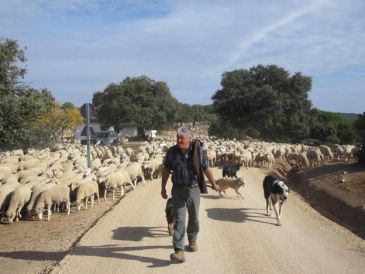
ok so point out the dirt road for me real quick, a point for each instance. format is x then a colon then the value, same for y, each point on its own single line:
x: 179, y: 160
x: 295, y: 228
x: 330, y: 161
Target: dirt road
x: 236, y: 237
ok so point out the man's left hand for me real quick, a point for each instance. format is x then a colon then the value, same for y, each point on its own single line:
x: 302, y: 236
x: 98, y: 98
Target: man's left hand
x: 216, y: 187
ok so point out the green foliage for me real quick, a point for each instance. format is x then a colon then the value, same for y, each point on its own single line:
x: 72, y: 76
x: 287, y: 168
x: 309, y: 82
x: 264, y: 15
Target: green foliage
x: 17, y: 115
x: 10, y: 71
x: 360, y: 127
x: 267, y: 101
x: 330, y: 127
x: 195, y: 113
x: 20, y: 106
x: 224, y: 129
x: 136, y: 102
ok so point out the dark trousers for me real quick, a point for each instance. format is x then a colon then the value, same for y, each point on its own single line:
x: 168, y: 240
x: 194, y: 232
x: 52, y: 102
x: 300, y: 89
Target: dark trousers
x: 185, y: 198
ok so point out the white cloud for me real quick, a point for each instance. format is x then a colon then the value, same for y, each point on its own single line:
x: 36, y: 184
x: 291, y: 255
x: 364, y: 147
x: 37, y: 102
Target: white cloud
x: 85, y: 44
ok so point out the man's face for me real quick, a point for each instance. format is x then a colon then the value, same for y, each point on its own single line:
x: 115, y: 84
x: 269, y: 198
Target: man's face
x: 183, y: 142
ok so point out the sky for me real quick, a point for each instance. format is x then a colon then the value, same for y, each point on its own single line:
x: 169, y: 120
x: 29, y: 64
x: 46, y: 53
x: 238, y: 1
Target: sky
x: 75, y: 48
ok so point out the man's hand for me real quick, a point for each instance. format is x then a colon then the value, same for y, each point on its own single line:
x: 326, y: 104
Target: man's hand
x: 216, y: 187
x: 164, y: 193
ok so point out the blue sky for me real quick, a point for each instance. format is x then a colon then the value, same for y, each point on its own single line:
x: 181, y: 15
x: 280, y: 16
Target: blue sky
x: 78, y: 47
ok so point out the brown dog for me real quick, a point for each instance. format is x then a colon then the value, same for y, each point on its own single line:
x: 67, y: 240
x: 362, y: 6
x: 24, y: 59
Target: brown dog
x: 234, y: 183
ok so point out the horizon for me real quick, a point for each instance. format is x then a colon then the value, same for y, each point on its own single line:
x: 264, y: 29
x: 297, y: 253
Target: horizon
x: 78, y: 47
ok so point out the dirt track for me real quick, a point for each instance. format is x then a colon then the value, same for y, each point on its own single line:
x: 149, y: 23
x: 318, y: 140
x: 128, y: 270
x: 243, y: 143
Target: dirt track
x: 236, y: 237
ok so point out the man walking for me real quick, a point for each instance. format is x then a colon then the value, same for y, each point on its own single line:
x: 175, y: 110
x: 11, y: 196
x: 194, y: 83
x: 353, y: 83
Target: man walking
x: 185, y: 190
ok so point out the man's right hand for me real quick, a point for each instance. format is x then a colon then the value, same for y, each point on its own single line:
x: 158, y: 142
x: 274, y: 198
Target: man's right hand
x: 164, y: 193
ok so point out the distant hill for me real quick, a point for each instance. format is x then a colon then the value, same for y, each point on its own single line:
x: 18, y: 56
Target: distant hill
x: 351, y: 116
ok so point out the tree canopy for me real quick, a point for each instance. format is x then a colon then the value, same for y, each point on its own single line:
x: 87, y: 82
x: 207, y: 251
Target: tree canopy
x: 28, y: 117
x: 265, y: 101
x: 11, y: 71
x: 360, y: 126
x: 135, y: 102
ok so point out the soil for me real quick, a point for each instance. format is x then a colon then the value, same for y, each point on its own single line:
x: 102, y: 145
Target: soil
x: 336, y: 190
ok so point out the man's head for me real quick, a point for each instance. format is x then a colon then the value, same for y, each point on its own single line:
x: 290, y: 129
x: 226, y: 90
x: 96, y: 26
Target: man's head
x: 184, y: 137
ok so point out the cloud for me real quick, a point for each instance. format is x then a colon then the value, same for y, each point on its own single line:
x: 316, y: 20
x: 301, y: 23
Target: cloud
x: 81, y: 46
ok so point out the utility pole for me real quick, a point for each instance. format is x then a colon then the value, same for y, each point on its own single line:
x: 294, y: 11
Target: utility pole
x: 89, y: 165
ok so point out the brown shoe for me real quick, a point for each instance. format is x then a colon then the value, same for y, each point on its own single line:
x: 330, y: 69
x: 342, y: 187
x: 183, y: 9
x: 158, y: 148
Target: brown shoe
x: 192, y: 246
x: 177, y: 257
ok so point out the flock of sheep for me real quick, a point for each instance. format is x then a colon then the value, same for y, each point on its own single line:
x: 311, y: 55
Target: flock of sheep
x: 54, y: 180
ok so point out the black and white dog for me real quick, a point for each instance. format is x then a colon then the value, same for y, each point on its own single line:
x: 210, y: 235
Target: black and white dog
x: 276, y: 192
x: 169, y: 210
x: 230, y: 171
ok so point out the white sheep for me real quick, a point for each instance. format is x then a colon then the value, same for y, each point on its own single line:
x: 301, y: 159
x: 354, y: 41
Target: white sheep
x: 37, y: 190
x: 5, y: 195
x: 6, y: 170
x: 55, y: 195
x: 19, y: 198
x: 117, y: 179
x: 86, y: 191
x: 152, y: 165
x: 135, y: 170
x: 12, y: 179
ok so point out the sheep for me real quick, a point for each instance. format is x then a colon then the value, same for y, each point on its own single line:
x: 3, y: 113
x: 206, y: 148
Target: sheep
x: 5, y: 195
x: 314, y: 157
x: 300, y: 159
x: 115, y: 179
x: 35, y: 193
x: 54, y: 195
x: 152, y: 165
x: 6, y: 170
x: 19, y: 198
x: 87, y: 190
x: 327, y: 153
x: 135, y: 170
x: 12, y: 179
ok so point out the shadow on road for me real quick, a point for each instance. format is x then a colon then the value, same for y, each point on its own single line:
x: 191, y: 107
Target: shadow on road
x: 110, y: 251
x: 34, y: 255
x: 239, y: 215
x: 135, y: 234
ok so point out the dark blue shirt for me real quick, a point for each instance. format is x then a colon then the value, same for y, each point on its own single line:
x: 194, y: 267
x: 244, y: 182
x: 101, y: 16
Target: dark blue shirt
x: 182, y: 166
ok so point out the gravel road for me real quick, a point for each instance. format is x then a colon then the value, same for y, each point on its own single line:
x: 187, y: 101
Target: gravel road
x: 236, y: 237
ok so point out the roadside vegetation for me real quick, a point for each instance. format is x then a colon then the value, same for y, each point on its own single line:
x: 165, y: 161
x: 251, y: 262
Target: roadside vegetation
x: 262, y: 102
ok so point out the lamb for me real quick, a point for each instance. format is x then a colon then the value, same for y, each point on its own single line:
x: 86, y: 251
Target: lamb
x: 55, y: 195
x: 19, y: 198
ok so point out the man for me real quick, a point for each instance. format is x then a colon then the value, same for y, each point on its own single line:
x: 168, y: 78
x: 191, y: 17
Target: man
x: 185, y: 191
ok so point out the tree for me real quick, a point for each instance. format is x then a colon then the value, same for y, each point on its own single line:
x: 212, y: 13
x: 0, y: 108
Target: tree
x: 329, y: 127
x: 10, y: 70
x: 360, y: 126
x: 59, y: 120
x: 17, y: 115
x: 136, y: 102
x: 265, y: 100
